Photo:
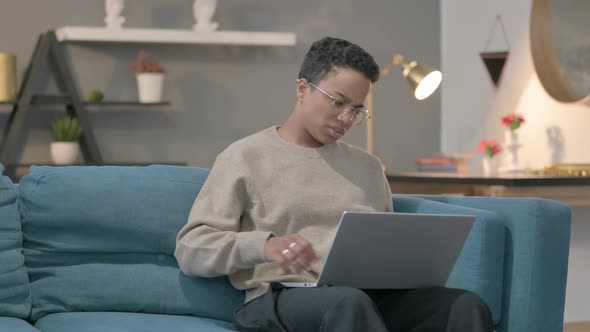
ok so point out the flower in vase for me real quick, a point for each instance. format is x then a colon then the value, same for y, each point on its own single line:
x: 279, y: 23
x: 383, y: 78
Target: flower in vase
x: 489, y: 147
x: 144, y: 64
x: 513, y: 121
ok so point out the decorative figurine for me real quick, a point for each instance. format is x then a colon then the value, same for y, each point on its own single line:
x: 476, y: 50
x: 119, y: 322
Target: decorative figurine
x: 203, y: 11
x: 114, y: 8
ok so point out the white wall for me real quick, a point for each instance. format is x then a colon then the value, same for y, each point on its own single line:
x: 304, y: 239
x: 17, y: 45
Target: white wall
x: 472, y: 109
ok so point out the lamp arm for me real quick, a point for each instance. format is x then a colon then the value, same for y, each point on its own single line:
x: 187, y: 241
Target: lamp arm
x: 397, y: 60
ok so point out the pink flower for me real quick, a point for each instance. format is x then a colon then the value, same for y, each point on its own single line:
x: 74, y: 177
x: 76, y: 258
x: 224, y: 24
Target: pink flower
x: 513, y: 121
x: 490, y: 147
x: 143, y: 64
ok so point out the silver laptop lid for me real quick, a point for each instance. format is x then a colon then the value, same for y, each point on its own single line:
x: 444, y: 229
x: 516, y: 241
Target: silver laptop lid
x: 394, y: 250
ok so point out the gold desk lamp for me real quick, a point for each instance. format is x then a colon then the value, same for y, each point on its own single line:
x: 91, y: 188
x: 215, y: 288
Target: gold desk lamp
x: 423, y: 80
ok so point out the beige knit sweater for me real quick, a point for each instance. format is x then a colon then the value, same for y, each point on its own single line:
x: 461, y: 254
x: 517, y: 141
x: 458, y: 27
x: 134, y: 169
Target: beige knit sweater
x: 263, y: 185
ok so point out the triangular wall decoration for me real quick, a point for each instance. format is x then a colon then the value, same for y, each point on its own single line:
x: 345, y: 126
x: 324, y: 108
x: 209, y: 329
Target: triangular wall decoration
x: 494, y: 62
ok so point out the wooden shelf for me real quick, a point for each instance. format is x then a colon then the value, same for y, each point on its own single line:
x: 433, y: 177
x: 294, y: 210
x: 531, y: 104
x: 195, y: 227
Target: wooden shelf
x: 117, y: 163
x: 173, y: 36
x: 124, y: 103
x: 571, y: 190
x: 524, y: 180
x: 65, y: 100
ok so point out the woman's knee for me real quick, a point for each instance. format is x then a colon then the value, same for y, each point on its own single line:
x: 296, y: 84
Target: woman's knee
x: 470, y: 313
x: 348, y: 298
x: 461, y: 299
x: 354, y: 311
x: 469, y: 299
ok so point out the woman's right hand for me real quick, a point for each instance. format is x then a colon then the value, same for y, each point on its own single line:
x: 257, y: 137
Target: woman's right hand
x: 292, y: 252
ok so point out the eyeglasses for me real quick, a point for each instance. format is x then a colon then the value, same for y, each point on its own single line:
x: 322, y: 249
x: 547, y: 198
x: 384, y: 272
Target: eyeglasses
x: 358, y: 115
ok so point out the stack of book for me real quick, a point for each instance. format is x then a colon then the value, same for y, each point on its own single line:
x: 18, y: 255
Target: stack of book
x: 436, y: 164
x: 445, y: 163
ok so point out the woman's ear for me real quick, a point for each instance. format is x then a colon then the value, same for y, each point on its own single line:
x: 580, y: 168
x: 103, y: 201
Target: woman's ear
x: 301, y: 87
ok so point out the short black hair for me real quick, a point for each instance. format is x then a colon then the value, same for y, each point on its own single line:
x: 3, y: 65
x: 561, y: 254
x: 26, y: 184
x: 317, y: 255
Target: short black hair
x: 329, y: 52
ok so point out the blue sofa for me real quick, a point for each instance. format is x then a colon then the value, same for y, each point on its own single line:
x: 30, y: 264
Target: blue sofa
x: 91, y: 249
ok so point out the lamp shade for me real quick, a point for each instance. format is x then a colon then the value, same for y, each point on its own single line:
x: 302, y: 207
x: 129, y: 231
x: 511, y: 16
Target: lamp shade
x: 423, y: 80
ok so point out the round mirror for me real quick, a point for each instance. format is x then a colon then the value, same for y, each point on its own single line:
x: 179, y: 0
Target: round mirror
x: 560, y: 46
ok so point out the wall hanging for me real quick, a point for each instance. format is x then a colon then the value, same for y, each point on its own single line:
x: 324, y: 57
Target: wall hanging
x: 495, y: 60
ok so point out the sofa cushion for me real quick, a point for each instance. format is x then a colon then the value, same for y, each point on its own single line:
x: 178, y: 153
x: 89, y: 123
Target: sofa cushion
x: 103, y: 238
x: 11, y: 324
x: 480, y: 266
x: 536, y: 264
x: 129, y: 322
x: 15, y: 298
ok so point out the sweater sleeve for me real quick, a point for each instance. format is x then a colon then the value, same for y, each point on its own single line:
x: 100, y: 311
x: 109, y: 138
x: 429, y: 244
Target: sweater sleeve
x: 211, y: 243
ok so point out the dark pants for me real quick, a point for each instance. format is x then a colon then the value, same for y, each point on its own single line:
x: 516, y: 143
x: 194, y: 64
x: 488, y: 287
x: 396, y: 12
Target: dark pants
x: 344, y: 309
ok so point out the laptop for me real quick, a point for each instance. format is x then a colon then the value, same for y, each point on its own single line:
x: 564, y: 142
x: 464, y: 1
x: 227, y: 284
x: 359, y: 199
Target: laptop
x: 384, y: 250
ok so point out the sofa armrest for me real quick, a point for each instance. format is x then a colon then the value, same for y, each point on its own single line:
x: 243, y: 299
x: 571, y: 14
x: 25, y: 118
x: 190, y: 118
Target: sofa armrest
x: 536, y: 262
x: 479, y: 268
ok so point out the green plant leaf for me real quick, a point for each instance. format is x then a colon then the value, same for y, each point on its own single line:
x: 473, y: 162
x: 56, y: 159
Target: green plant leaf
x: 66, y: 129
x: 96, y: 96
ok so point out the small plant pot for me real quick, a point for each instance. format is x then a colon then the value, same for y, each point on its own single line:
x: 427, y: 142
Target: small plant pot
x: 64, y: 153
x: 150, y: 87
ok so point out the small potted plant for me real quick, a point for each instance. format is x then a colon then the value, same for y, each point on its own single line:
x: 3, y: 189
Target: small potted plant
x: 150, y: 78
x: 490, y: 148
x: 66, y: 132
x: 95, y: 96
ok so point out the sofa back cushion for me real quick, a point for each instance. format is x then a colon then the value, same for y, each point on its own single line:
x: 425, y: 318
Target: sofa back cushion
x: 103, y: 238
x: 15, y: 299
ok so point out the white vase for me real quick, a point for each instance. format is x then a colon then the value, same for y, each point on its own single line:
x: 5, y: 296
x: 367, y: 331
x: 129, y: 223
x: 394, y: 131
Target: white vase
x: 510, y: 137
x: 64, y: 153
x: 489, y: 166
x: 512, y: 144
x: 150, y: 87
